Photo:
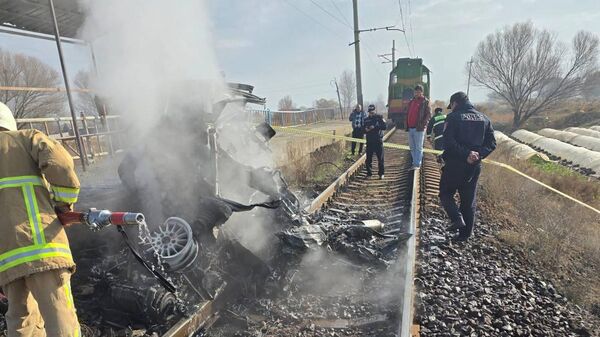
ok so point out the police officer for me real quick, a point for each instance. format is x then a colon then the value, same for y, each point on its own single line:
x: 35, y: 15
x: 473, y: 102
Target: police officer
x: 468, y: 138
x: 435, y: 129
x: 374, y: 126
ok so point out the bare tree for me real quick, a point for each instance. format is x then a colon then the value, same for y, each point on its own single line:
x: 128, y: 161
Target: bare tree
x: 286, y: 103
x: 18, y: 70
x: 85, y: 100
x: 323, y: 103
x: 380, y: 105
x: 530, y: 70
x: 592, y: 86
x: 347, y: 86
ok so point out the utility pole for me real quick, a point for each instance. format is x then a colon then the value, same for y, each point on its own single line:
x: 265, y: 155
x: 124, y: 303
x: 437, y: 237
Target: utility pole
x: 392, y: 54
x: 356, y: 43
x: 359, y: 96
x: 339, y: 99
x: 469, y: 81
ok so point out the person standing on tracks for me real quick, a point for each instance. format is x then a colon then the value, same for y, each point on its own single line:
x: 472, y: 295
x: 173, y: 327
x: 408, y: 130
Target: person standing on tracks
x: 374, y: 125
x: 435, y: 129
x: 357, y: 117
x: 417, y: 118
x: 37, y: 178
x: 468, y: 138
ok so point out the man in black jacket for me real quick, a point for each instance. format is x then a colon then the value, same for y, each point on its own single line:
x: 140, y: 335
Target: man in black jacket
x: 468, y: 138
x: 374, y: 126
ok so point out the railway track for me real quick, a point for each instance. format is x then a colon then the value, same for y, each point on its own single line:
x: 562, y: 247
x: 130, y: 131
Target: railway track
x: 359, y: 289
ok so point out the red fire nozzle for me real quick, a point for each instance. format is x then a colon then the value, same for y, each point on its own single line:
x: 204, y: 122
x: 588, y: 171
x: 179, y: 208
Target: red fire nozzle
x: 98, y: 219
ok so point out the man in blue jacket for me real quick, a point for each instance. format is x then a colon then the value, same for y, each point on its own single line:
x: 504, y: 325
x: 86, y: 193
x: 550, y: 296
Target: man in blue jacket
x: 468, y: 138
x: 357, y: 117
x: 374, y: 126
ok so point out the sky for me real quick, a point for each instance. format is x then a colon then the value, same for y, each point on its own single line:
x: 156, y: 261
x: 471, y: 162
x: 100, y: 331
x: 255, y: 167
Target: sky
x: 297, y: 47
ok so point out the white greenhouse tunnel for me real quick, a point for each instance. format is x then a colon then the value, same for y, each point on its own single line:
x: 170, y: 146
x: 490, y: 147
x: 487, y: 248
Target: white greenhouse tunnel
x: 576, y: 155
x: 508, y: 148
x: 590, y: 143
x: 584, y: 132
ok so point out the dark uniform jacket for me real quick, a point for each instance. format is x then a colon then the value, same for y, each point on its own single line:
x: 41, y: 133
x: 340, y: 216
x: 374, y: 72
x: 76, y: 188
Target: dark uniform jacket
x: 374, y: 136
x: 467, y: 130
x: 435, y: 129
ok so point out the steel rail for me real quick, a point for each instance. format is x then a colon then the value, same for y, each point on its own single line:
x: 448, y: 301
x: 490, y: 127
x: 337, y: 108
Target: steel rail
x: 341, y: 181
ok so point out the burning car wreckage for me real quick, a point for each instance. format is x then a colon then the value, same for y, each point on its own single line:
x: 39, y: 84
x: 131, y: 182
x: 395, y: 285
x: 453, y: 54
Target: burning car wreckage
x: 159, y: 275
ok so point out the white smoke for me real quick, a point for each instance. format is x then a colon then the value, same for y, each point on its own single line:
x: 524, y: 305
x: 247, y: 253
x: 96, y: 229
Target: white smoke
x: 145, y: 50
x: 154, y: 54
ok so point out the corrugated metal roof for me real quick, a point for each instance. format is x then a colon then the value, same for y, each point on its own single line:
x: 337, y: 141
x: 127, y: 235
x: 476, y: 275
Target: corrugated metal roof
x: 35, y: 16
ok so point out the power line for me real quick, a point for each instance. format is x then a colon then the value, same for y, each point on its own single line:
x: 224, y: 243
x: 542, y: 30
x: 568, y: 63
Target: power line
x: 412, y: 34
x: 401, y: 14
x: 312, y: 18
x: 404, y: 28
x: 341, y: 13
x: 331, y: 15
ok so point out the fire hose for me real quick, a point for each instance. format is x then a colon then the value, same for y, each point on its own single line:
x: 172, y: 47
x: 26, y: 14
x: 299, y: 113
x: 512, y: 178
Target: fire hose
x: 96, y: 220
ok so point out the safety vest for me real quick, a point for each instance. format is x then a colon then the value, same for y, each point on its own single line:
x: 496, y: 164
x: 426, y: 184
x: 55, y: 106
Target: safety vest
x: 36, y: 173
x: 438, y: 126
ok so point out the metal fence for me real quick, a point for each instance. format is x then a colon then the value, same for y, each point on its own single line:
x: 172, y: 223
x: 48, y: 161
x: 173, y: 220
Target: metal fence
x: 294, y: 118
x: 100, y: 135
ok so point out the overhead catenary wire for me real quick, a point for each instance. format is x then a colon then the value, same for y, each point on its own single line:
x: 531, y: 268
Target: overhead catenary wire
x: 341, y: 14
x: 330, y: 14
x: 404, y: 28
x: 289, y: 3
x: 412, y: 34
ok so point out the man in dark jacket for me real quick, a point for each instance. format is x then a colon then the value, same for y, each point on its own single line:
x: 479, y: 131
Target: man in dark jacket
x: 468, y: 138
x: 374, y: 127
x: 417, y: 117
x: 357, y: 117
x: 435, y: 129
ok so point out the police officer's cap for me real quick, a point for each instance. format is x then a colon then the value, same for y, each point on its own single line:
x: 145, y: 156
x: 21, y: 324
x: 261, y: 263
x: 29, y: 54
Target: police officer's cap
x: 438, y: 110
x: 458, y: 97
x: 371, y: 107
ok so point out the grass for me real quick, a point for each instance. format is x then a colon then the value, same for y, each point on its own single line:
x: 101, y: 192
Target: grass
x: 550, y: 167
x: 320, y: 168
x: 558, y: 236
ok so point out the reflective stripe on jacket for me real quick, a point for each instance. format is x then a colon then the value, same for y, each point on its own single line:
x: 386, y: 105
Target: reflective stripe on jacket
x: 36, y: 173
x: 436, y: 126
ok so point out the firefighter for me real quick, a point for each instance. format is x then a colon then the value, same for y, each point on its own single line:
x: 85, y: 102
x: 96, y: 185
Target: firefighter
x: 435, y: 129
x: 468, y: 138
x: 374, y: 126
x: 37, y: 179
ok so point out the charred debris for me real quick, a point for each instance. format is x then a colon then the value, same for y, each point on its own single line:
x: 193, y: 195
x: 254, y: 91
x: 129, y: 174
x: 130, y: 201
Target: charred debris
x: 184, y: 180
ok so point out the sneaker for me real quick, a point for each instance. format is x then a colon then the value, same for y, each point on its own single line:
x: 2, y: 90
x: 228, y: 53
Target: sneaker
x: 457, y: 225
x: 381, y: 177
x: 369, y: 175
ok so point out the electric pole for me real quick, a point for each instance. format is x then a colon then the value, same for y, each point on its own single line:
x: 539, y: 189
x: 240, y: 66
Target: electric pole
x: 356, y: 43
x: 339, y: 99
x: 469, y: 80
x: 359, y: 96
x: 392, y: 54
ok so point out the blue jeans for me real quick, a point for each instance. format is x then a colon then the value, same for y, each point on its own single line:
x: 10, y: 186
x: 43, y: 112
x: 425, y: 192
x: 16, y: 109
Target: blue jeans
x: 415, y: 142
